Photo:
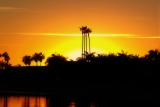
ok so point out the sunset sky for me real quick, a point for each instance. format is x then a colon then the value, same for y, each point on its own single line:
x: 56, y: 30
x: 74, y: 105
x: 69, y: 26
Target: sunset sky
x: 52, y: 26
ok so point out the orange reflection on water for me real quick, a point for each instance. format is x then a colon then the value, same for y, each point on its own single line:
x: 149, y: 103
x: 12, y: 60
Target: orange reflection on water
x: 20, y: 101
x: 72, y: 104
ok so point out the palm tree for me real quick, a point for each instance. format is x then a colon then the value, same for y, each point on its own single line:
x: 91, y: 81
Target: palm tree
x: 88, y: 31
x: 38, y: 57
x: 27, y: 60
x: 6, y: 57
x: 35, y: 58
x: 41, y: 57
x: 83, y: 30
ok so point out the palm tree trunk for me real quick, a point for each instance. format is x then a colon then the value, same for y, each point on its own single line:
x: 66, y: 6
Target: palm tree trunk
x: 82, y: 44
x: 89, y: 43
x: 86, y: 44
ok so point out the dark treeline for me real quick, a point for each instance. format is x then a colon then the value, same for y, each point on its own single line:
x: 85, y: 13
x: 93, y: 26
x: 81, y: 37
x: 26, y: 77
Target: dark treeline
x: 152, y: 57
x: 111, y: 76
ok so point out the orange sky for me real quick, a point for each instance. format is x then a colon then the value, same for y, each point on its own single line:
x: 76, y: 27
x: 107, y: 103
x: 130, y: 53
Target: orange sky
x: 23, y: 22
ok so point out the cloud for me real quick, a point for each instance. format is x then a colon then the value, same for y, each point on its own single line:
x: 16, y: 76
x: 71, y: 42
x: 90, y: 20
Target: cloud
x: 79, y: 35
x: 95, y: 35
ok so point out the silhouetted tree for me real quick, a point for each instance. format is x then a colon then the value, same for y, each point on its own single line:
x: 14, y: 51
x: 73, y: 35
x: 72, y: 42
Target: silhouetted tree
x: 4, y: 62
x: 80, y: 60
x: 122, y: 57
x: 27, y: 60
x: 2, y: 65
x: 35, y: 58
x: 41, y: 57
x: 55, y: 59
x: 88, y: 31
x: 85, y: 39
x: 83, y: 30
x: 6, y: 57
x: 153, y: 56
x: 38, y: 57
x: 106, y: 58
x: 90, y: 56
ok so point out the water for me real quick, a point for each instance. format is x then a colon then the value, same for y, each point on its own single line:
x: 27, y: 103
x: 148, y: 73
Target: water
x: 34, y: 101
x: 23, y: 101
x: 62, y: 101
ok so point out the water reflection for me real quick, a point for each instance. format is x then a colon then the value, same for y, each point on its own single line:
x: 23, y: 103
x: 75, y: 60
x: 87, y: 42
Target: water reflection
x: 72, y: 104
x: 29, y: 101
x: 23, y: 101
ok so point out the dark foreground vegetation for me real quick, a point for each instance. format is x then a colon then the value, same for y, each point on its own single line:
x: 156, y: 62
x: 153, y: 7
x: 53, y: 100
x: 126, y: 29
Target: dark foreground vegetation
x: 97, y: 78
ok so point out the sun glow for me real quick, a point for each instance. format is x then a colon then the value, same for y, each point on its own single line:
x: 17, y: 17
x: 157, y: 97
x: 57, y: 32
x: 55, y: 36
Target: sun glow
x: 73, y: 55
x: 69, y: 45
